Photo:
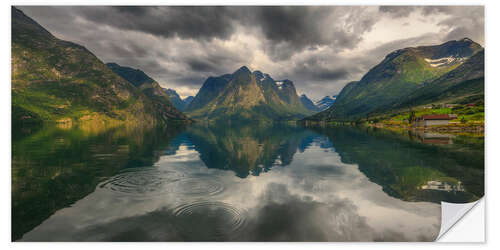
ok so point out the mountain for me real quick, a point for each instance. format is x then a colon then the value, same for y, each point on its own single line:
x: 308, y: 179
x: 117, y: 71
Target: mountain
x: 56, y: 80
x: 176, y: 99
x: 135, y: 76
x: 401, y: 73
x: 246, y: 95
x: 209, y: 91
x: 464, y: 82
x: 308, y: 103
x: 150, y: 88
x: 188, y: 100
x: 326, y: 102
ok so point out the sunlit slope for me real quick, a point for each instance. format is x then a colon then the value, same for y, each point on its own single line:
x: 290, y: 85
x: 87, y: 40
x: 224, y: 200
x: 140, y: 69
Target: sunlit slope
x: 400, y: 74
x: 56, y: 80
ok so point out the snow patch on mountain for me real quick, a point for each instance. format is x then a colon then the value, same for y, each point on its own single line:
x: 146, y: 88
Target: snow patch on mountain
x: 444, y: 61
x: 325, y: 102
x: 280, y: 85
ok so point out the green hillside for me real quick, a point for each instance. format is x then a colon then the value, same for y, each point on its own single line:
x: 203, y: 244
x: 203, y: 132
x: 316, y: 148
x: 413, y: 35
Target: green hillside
x: 59, y: 81
x: 467, y: 80
x: 400, y: 74
x: 462, y: 88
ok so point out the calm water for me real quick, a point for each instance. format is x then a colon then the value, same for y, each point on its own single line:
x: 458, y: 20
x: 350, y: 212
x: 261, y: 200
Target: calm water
x: 260, y: 182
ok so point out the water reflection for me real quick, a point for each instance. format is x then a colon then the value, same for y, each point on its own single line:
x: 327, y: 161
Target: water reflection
x: 52, y: 167
x: 402, y: 164
x: 265, y: 182
x: 247, y: 149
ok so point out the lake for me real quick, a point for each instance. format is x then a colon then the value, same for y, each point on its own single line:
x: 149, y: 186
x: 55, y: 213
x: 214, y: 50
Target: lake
x: 247, y: 182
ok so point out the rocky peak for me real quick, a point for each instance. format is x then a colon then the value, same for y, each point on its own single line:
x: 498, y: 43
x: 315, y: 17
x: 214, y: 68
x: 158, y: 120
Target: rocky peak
x: 242, y: 70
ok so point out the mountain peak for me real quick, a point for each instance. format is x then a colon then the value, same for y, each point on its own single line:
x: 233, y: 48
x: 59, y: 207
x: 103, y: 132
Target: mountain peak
x: 135, y: 76
x: 243, y: 69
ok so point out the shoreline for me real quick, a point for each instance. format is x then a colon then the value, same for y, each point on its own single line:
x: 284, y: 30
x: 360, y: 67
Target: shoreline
x: 449, y: 129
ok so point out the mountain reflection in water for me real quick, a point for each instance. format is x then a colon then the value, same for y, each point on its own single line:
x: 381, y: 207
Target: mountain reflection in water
x: 253, y: 182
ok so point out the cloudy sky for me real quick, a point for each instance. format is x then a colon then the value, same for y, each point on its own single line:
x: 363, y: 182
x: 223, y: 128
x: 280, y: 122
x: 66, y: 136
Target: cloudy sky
x: 320, y: 48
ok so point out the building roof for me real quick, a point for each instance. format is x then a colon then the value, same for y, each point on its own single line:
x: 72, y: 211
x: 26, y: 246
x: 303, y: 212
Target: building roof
x: 436, y: 117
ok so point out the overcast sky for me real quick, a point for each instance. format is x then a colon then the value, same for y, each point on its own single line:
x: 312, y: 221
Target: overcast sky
x: 319, y: 48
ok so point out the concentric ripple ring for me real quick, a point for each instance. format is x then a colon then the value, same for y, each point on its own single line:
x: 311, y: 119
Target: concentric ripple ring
x: 198, y: 186
x: 209, y: 221
x: 148, y: 181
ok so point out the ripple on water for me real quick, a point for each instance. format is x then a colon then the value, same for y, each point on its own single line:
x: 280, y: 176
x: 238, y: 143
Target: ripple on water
x: 198, y: 186
x: 209, y: 221
x: 147, y: 181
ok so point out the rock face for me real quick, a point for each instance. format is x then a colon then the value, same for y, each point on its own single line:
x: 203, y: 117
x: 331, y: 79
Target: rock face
x: 400, y: 74
x: 56, y: 80
x: 246, y: 95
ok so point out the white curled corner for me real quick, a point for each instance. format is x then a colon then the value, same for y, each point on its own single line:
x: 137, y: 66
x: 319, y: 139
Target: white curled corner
x: 451, y: 213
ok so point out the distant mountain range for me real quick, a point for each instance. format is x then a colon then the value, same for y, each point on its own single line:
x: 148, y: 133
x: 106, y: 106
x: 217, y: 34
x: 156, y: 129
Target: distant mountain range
x: 320, y: 105
x: 59, y: 81
x: 325, y: 102
x: 247, y: 95
x: 412, y: 76
x: 308, y: 104
x: 177, y: 101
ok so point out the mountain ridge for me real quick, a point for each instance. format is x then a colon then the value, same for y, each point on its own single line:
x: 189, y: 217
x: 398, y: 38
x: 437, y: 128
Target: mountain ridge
x: 308, y: 103
x: 150, y: 88
x: 246, y: 95
x: 398, y: 75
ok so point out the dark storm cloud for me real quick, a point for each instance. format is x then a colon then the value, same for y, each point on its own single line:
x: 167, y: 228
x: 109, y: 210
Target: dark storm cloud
x: 184, y: 22
x: 314, y: 69
x: 286, y: 29
x: 291, y: 29
x: 215, y: 62
x: 198, y: 64
x: 299, y: 27
x: 291, y: 24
